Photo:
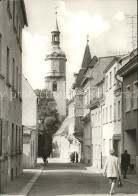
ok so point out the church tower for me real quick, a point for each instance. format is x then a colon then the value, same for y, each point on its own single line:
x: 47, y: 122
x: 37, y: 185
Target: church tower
x: 55, y: 79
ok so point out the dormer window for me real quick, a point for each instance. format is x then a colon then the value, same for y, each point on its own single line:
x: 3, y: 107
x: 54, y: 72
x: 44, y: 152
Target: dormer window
x: 54, y: 86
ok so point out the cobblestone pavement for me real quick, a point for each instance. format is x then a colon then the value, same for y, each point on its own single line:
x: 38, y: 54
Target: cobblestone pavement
x: 69, y: 179
x: 20, y: 185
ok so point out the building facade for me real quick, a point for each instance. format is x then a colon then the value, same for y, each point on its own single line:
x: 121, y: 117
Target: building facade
x: 83, y: 93
x: 29, y: 146
x: 55, y: 79
x: 129, y: 73
x: 30, y: 124
x: 64, y: 142
x: 102, y: 130
x: 12, y: 21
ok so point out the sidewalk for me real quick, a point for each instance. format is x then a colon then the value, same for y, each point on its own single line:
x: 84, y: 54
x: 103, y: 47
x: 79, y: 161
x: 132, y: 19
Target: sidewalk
x: 131, y: 179
x: 23, y: 183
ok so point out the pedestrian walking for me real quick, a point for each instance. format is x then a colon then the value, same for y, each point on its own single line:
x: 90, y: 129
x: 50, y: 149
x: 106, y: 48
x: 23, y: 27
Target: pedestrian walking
x: 112, y: 170
x: 125, y: 162
x: 44, y: 157
x: 76, y: 155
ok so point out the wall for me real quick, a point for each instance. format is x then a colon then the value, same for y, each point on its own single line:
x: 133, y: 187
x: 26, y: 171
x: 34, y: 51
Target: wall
x: 29, y: 104
x: 10, y: 88
x: 96, y: 137
x: 111, y: 114
x: 29, y: 151
x: 130, y: 129
x: 29, y: 111
x: 60, y: 94
x: 86, y: 135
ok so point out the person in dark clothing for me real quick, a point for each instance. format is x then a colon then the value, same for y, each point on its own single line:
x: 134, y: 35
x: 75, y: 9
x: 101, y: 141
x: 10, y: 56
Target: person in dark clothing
x: 72, y: 156
x: 44, y: 157
x: 76, y: 155
x: 125, y: 162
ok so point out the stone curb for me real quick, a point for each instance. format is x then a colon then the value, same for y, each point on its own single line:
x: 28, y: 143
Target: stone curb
x: 28, y: 187
x: 130, y: 182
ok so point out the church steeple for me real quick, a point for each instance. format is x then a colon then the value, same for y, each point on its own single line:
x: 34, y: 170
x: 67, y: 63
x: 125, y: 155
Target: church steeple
x: 55, y: 79
x: 55, y: 33
x: 87, y: 55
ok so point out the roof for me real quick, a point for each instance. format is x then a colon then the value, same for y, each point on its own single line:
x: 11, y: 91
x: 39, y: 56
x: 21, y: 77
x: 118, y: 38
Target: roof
x: 63, y: 129
x: 79, y: 78
x: 130, y: 66
x: 86, y: 58
x: 24, y: 12
x: 93, y: 62
x: 101, y: 65
x: 115, y: 59
x: 56, y: 26
x: 28, y: 129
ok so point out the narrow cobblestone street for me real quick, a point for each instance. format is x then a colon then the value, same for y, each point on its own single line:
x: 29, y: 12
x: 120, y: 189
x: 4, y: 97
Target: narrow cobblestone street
x: 72, y: 179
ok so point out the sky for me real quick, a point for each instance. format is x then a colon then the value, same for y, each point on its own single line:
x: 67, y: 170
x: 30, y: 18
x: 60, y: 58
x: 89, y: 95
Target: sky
x: 105, y: 21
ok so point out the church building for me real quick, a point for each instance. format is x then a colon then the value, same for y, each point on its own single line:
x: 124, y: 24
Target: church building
x: 55, y: 79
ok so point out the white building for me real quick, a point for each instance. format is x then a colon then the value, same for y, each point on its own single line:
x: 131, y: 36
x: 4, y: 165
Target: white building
x: 29, y: 121
x: 111, y: 113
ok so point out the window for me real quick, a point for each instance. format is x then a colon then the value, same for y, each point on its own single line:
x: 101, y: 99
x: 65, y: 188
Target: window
x: 7, y: 68
x: 87, y: 96
x: 110, y: 144
x: 110, y: 113
x: 96, y: 120
x: 128, y: 98
x: 103, y: 117
x: 14, y: 12
x: 17, y: 79
x: 17, y: 23
x: 99, y: 119
x: 135, y: 95
x: 55, y: 65
x: 0, y: 52
x: 12, y: 138
x: 114, y: 111
x: 20, y: 34
x: 106, y: 115
x: 0, y: 137
x: 54, y: 86
x: 16, y: 138
x: 20, y: 83
x: 119, y: 111
x: 114, y: 75
x: 106, y: 83
x: 92, y: 120
x: 13, y: 73
x: 9, y: 8
x: 110, y: 79
x: 104, y: 147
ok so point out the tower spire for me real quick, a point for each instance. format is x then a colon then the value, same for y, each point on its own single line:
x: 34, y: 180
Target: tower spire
x: 87, y: 55
x: 55, y: 32
x: 56, y: 23
x: 87, y: 39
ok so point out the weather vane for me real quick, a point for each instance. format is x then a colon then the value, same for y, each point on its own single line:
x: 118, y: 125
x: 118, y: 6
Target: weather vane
x: 56, y: 10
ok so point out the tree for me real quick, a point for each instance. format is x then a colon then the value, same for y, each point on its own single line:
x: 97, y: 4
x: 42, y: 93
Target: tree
x: 47, y: 112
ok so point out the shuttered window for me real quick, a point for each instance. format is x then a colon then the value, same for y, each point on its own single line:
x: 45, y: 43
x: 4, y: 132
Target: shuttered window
x: 0, y: 137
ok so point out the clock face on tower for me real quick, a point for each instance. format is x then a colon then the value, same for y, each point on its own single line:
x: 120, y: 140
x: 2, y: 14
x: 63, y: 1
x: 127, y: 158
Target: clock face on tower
x: 55, y: 54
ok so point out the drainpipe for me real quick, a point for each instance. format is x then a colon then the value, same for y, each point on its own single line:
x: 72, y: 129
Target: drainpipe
x: 101, y: 134
x: 122, y: 127
x: 91, y: 159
